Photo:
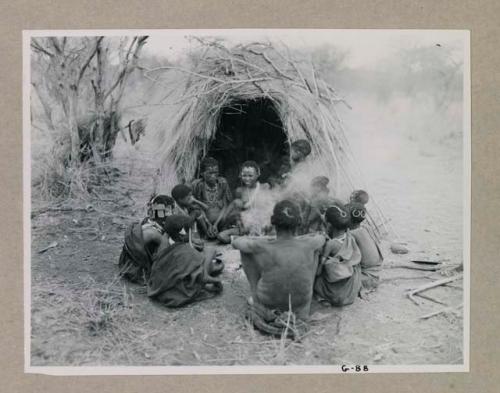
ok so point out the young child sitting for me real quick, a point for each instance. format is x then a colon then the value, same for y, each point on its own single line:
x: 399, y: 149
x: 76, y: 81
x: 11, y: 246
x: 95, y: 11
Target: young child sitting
x: 213, y: 190
x: 338, y: 280
x: 245, y: 198
x: 186, y: 204
x: 371, y: 255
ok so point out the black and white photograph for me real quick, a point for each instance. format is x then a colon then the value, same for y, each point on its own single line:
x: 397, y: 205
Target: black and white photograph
x: 246, y: 201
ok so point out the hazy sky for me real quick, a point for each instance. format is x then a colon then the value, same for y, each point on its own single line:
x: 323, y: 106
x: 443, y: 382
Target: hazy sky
x: 365, y: 47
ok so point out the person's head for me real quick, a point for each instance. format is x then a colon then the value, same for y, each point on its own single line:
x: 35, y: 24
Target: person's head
x: 357, y: 212
x: 359, y: 196
x: 319, y: 186
x: 337, y: 218
x: 177, y: 227
x: 299, y: 150
x: 182, y: 194
x: 250, y: 172
x: 209, y: 170
x: 160, y: 207
x: 286, y: 216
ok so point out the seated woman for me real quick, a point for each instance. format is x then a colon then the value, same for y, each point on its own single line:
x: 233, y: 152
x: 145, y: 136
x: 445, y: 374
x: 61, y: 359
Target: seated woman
x: 143, y: 239
x: 245, y: 198
x: 180, y: 274
x: 338, y: 279
x: 280, y: 273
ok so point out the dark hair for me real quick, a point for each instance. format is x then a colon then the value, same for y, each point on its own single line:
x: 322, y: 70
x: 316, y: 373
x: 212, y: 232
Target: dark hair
x: 251, y: 164
x: 303, y: 146
x: 286, y: 215
x: 337, y: 216
x: 320, y: 181
x: 161, y: 199
x: 208, y: 162
x: 175, y: 223
x: 357, y: 212
x: 360, y: 196
x: 180, y: 191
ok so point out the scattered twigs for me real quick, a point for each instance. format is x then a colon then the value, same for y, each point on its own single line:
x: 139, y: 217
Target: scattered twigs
x: 51, y: 245
x: 432, y: 299
x: 444, y: 310
x: 434, y: 284
x: 412, y: 267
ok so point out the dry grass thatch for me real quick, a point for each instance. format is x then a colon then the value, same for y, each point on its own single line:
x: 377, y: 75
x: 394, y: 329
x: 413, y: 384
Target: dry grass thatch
x: 217, y: 76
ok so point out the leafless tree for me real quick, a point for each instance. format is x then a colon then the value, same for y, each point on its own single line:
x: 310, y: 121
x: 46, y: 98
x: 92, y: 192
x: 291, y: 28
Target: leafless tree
x: 63, y: 70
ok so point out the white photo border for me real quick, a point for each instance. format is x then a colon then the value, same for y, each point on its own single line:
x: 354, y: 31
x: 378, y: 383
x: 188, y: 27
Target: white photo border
x: 236, y: 370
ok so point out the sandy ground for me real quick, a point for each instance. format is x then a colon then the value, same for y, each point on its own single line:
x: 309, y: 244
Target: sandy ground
x: 82, y: 315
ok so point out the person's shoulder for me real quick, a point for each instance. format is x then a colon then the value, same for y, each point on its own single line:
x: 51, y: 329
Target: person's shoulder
x: 265, y: 186
x: 196, y: 186
x: 246, y: 244
x: 196, y: 182
x: 315, y: 239
x: 222, y: 181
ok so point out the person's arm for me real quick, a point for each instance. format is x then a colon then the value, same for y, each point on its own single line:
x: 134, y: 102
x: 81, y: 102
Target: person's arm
x: 208, y: 256
x: 200, y: 203
x: 244, y: 244
x: 153, y: 239
x: 227, y: 196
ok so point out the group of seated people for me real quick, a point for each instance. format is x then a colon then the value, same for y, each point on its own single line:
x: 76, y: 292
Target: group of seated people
x: 316, y: 247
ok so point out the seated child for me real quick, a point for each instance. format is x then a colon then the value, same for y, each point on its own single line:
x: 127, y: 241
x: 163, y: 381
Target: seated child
x: 186, y: 204
x: 338, y: 279
x: 280, y: 272
x: 180, y: 274
x: 245, y: 198
x: 320, y: 200
x: 212, y: 190
x: 371, y: 255
x: 144, y: 239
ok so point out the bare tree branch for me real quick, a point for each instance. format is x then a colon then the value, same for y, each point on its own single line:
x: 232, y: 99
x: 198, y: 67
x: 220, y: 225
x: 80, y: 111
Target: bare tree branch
x: 55, y: 44
x: 140, y: 41
x: 89, y: 59
x: 37, y: 46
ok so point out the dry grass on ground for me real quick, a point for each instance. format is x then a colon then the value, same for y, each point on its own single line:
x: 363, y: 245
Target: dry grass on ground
x: 83, y: 315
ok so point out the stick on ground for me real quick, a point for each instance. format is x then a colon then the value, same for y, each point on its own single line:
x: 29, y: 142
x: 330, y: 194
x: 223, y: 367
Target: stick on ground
x: 434, y: 284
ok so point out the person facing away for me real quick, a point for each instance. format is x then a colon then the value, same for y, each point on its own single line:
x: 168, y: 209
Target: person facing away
x: 245, y: 198
x: 371, y: 254
x: 186, y: 204
x: 143, y: 240
x: 180, y: 274
x: 338, y: 279
x: 280, y: 271
x: 213, y: 190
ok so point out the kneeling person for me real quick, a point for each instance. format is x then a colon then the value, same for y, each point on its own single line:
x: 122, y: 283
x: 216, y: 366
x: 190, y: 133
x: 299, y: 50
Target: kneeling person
x: 280, y: 272
x: 180, y: 274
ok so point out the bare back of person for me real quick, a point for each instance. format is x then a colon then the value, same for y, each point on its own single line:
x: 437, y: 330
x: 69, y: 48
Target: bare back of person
x: 281, y: 272
x: 371, y: 255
